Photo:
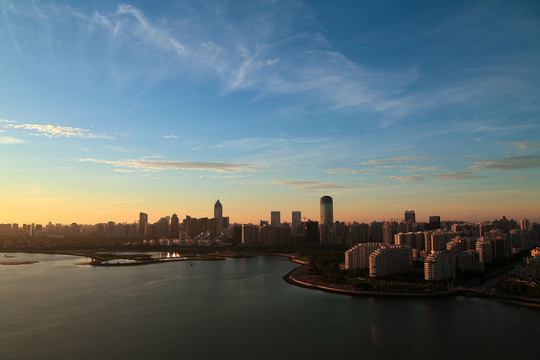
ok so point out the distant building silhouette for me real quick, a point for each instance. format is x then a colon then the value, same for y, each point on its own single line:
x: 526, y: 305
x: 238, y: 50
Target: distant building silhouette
x: 218, y: 215
x: 143, y: 224
x: 410, y: 216
x: 434, y: 222
x: 275, y: 218
x: 327, y: 211
x: 218, y: 210
x: 297, y: 222
x: 327, y: 219
x: 175, y: 227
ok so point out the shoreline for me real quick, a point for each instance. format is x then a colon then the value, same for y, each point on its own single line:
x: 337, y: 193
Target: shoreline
x: 293, y: 278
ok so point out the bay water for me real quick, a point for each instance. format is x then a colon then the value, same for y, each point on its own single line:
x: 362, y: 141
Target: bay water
x: 235, y: 309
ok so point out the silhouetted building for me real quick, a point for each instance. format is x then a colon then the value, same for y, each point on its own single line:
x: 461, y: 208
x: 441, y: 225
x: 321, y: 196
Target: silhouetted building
x: 218, y: 214
x: 296, y: 223
x: 275, y: 218
x: 143, y: 225
x: 434, y: 222
x: 376, y: 231
x: 311, y: 230
x: 327, y: 211
x: 175, y: 227
x: 410, y: 216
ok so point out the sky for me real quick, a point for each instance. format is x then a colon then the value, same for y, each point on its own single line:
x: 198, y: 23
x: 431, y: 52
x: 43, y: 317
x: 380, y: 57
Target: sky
x: 108, y: 109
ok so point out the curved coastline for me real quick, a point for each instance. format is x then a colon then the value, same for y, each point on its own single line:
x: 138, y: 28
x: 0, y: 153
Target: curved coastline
x: 293, y: 278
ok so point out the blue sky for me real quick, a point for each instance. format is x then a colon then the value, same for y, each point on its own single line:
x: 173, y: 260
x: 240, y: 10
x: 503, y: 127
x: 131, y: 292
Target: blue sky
x: 108, y: 109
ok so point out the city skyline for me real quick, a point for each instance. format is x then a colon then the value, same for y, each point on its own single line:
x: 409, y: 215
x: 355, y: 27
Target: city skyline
x: 107, y: 110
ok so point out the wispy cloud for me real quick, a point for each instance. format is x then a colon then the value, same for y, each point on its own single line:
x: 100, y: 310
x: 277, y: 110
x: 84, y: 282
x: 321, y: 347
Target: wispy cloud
x: 310, y: 185
x: 262, y: 51
x: 158, y: 165
x: 253, y: 143
x: 170, y: 137
x: 228, y: 176
x: 526, y: 144
x: 124, y: 170
x: 10, y: 140
x: 51, y: 131
x: 400, y: 159
x: 441, y: 176
x: 510, y: 163
x: 344, y: 171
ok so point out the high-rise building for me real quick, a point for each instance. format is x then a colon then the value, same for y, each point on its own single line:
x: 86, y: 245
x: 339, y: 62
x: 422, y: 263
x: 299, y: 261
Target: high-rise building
x: 410, y: 216
x: 218, y: 210
x: 143, y: 224
x: 275, y: 218
x: 376, y: 231
x: 327, y: 220
x: 357, y: 257
x: 175, y: 227
x: 218, y: 215
x: 439, y: 266
x: 389, y: 230
x: 390, y: 259
x: 296, y: 222
x: 525, y: 224
x: 327, y: 211
x: 110, y: 229
x: 434, y: 222
x: 311, y: 231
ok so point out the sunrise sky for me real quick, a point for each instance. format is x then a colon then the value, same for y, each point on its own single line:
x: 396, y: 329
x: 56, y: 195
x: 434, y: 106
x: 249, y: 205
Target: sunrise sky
x: 108, y: 109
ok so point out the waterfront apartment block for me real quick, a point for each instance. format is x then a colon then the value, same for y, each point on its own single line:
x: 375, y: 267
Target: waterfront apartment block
x: 389, y: 260
x: 530, y: 267
x: 357, y: 257
x: 439, y: 266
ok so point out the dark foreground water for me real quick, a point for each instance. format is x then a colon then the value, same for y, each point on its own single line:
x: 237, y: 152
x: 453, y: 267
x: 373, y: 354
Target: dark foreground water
x: 236, y: 309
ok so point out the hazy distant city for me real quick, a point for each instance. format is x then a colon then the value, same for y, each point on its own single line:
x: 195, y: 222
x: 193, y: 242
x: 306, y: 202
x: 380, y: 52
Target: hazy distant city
x: 384, y: 248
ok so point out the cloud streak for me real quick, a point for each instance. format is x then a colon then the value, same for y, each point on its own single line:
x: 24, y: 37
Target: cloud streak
x: 400, y: 159
x: 511, y: 163
x: 310, y: 185
x: 52, y: 131
x: 441, y: 176
x: 343, y: 171
x: 159, y: 165
x: 8, y: 140
x: 526, y: 144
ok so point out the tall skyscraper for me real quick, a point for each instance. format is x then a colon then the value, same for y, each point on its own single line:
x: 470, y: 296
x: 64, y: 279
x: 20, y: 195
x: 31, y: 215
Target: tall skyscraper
x: 175, y: 227
x: 143, y: 224
x: 296, y: 222
x: 410, y: 216
x: 218, y: 210
x: 327, y: 211
x: 275, y: 218
x: 218, y: 215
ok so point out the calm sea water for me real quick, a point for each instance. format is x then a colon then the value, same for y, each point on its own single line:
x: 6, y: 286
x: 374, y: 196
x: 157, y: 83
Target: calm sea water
x: 235, y: 309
